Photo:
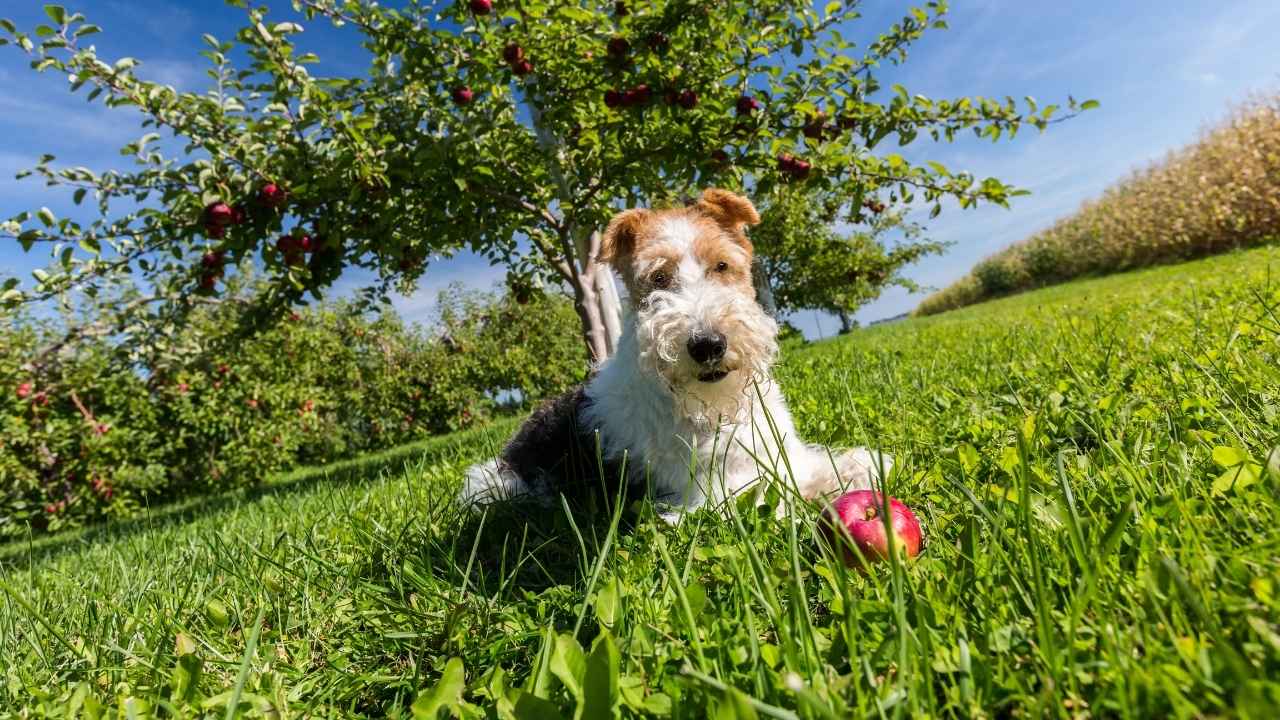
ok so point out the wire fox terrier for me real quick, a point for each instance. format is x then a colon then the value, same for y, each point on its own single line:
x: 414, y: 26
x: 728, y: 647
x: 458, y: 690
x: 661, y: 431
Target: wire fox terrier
x: 687, y: 407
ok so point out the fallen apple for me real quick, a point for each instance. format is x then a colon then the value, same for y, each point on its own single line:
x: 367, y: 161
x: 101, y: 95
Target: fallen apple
x: 856, y: 521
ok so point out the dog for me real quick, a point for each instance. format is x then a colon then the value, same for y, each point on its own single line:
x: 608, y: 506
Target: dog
x: 687, y: 407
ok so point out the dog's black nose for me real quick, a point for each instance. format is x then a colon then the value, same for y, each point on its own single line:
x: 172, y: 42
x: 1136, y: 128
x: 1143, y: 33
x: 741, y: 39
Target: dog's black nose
x: 706, y: 347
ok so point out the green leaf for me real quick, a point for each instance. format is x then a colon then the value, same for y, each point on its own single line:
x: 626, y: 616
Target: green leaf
x: 46, y: 217
x: 1229, y: 457
x: 734, y: 706
x: 446, y: 693
x: 1237, y: 478
x: 56, y: 13
x: 1089, y: 104
x: 569, y: 664
x: 600, y: 685
x: 608, y: 603
x: 531, y: 707
x: 185, y: 677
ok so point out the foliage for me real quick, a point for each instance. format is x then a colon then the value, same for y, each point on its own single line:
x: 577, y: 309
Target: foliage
x: 1095, y: 465
x: 1220, y: 194
x: 85, y: 436
x: 826, y: 270
x: 512, y: 129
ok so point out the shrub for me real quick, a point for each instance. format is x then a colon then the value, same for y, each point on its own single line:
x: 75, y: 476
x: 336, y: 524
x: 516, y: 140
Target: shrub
x: 1220, y: 194
x: 85, y: 435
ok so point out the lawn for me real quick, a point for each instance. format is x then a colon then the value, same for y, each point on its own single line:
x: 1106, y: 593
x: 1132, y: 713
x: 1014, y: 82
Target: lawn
x: 1093, y: 464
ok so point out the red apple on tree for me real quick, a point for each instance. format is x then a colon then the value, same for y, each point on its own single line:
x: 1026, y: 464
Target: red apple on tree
x: 638, y: 95
x: 815, y: 126
x: 856, y: 520
x: 522, y: 68
x: 482, y: 7
x: 272, y: 195
x: 463, y: 95
x: 219, y: 213
x: 618, y: 48
x: 24, y: 390
x: 512, y: 53
x: 747, y: 105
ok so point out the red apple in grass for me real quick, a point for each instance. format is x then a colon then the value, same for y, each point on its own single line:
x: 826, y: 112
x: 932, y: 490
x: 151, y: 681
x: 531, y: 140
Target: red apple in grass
x: 857, y: 518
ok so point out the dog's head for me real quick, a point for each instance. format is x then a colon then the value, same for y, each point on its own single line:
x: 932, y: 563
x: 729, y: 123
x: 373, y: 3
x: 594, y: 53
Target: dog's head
x: 688, y: 272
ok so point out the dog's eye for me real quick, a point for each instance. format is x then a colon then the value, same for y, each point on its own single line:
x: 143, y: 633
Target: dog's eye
x: 722, y: 266
x: 660, y: 279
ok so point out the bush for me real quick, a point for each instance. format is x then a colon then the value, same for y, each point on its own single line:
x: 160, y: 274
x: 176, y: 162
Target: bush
x: 85, y: 435
x: 1219, y: 194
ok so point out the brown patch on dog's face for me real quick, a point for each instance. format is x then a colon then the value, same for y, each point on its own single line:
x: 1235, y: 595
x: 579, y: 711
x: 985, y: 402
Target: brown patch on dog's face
x: 667, y: 249
x: 726, y: 263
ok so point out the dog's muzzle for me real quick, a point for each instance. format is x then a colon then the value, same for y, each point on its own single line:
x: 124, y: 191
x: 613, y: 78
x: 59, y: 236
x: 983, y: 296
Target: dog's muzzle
x: 708, y: 349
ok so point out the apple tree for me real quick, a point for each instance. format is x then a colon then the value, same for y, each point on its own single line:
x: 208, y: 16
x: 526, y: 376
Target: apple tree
x: 847, y: 259
x: 511, y: 128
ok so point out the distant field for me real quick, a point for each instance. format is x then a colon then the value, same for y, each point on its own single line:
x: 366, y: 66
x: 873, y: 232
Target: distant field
x: 1218, y: 194
x: 1096, y: 465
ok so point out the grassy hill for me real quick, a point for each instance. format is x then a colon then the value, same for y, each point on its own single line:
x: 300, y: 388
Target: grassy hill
x: 1095, y: 463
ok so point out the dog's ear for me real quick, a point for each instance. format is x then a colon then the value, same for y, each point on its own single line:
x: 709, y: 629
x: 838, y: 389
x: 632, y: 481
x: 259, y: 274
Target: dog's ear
x: 619, y: 239
x: 730, y: 210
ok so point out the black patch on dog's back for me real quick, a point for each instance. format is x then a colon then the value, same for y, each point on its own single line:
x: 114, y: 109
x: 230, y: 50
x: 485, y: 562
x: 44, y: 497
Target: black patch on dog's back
x: 553, y: 452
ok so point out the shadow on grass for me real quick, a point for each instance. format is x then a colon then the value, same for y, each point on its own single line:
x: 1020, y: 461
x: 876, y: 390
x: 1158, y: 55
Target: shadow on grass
x: 18, y: 552
x: 531, y: 547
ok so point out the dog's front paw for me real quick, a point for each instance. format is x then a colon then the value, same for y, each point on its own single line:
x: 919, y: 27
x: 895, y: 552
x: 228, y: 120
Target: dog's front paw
x: 841, y: 471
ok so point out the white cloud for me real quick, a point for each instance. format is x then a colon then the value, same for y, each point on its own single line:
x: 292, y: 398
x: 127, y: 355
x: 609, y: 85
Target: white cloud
x: 470, y: 271
x: 182, y: 75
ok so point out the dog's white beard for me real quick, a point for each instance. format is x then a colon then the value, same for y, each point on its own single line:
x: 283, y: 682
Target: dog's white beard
x: 664, y: 325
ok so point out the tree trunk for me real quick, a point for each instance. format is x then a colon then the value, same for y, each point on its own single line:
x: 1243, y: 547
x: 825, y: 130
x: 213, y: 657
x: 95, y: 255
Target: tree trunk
x: 596, y: 300
x: 606, y: 295
x: 594, y: 293
x: 846, y: 322
x: 764, y: 293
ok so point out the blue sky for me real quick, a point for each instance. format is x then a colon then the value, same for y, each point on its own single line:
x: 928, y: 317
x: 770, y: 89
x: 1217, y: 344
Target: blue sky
x: 1163, y: 71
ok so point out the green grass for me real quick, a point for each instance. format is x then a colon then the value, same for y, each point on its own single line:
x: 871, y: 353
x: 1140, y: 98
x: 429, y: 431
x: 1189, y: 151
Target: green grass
x: 1090, y: 462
